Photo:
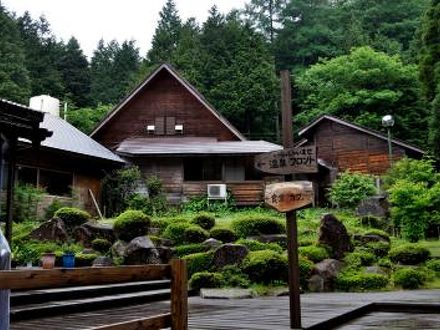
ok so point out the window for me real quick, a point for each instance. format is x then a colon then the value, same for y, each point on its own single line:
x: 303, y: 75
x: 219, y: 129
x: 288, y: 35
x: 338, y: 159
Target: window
x: 165, y: 126
x: 202, y: 169
x: 234, y: 170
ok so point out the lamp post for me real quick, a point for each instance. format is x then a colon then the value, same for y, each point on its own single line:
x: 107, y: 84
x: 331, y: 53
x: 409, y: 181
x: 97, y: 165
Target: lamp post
x: 388, y: 122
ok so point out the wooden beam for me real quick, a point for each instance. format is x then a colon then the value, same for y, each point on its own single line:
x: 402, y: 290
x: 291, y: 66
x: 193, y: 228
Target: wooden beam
x: 62, y: 277
x: 161, y: 321
x: 11, y: 157
x: 179, y: 295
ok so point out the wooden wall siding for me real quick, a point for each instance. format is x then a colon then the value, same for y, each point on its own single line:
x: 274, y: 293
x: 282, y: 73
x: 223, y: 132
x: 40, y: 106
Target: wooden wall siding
x: 82, y: 183
x: 348, y: 149
x: 164, y: 96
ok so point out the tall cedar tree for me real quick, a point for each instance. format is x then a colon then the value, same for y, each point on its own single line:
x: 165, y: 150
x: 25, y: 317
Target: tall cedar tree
x: 430, y: 69
x: 14, y: 78
x: 74, y: 67
x: 167, y: 34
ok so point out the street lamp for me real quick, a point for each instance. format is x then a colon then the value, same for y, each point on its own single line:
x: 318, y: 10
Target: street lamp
x: 388, y: 122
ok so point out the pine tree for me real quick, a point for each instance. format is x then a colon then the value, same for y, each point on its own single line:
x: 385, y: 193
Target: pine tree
x: 74, y: 67
x: 101, y: 74
x: 126, y: 64
x: 167, y: 34
x: 14, y: 78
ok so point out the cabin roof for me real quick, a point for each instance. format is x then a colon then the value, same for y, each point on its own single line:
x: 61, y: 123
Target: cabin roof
x: 185, y: 84
x: 192, y: 146
x: 311, y: 126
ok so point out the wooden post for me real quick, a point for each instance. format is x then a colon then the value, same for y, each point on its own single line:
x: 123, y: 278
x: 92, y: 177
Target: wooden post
x: 179, y: 295
x: 291, y: 226
x: 11, y: 150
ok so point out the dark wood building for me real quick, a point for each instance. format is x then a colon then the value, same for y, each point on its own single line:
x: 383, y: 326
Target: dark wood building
x: 167, y: 128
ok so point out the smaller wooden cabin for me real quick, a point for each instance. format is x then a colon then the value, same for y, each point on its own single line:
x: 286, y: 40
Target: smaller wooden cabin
x: 167, y: 128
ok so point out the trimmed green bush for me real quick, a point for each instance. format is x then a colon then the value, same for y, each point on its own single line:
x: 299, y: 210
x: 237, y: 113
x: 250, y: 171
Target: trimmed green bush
x: 195, y: 234
x: 204, y: 220
x: 379, y: 249
x: 101, y: 245
x: 265, y: 266
x: 131, y: 224
x: 360, y: 281
x: 434, y: 264
x: 84, y: 259
x: 306, y: 241
x: 385, y: 263
x: 305, y: 270
x: 358, y: 259
x: 409, y: 254
x: 409, y: 278
x: 314, y: 253
x: 176, y: 232
x: 223, y: 234
x: 351, y: 188
x: 206, y: 280
x: 184, y: 250
x: 198, y: 262
x: 254, y: 225
x: 234, y: 277
x: 379, y: 233
x: 254, y: 245
x: 72, y: 216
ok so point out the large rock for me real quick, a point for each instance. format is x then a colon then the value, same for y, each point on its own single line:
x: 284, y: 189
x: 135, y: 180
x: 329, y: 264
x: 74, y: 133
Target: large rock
x: 371, y: 238
x: 229, y: 254
x: 324, y: 274
x: 377, y: 206
x: 89, y: 231
x: 52, y: 230
x: 118, y: 249
x: 141, y: 251
x: 165, y: 254
x: 212, y: 243
x: 102, y: 261
x: 334, y: 234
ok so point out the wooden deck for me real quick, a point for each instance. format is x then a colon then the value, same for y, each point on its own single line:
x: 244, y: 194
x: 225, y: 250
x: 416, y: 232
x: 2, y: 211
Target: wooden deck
x: 261, y: 313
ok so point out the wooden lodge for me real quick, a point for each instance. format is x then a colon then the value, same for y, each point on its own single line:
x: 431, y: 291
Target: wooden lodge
x: 167, y: 128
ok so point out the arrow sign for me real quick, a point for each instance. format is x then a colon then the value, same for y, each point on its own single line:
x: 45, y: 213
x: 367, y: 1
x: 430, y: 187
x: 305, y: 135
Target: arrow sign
x: 288, y: 161
x: 289, y: 196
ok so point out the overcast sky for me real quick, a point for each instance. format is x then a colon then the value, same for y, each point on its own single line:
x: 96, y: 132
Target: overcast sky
x: 91, y: 20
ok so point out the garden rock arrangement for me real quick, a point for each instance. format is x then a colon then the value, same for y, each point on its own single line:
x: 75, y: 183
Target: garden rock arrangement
x: 52, y: 230
x: 334, y: 234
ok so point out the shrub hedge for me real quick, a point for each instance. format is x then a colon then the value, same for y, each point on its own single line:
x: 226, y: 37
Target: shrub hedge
x: 184, y: 250
x: 206, y: 280
x: 265, y: 266
x: 234, y: 277
x: 176, y: 232
x: 254, y: 245
x: 84, y: 259
x: 409, y: 254
x: 358, y: 259
x: 101, y: 245
x: 204, y: 220
x: 434, y: 265
x: 72, y: 216
x: 195, y: 234
x: 314, y: 253
x: 198, y: 262
x: 131, y: 224
x: 409, y: 278
x: 360, y: 281
x: 223, y: 234
x: 254, y: 225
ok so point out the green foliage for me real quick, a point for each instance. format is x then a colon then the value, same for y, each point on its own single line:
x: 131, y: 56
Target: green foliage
x: 434, y: 264
x: 198, y: 262
x: 379, y: 249
x: 409, y: 254
x: 155, y: 203
x: 53, y: 207
x: 254, y: 245
x: 85, y: 119
x: 353, y: 281
x: 385, y: 263
x: 206, y: 280
x: 305, y: 270
x: 176, y: 232
x: 84, y: 259
x: 200, y: 204
x: 184, y: 250
x: 26, y: 199
x: 351, y: 188
x: 204, y: 220
x: 314, y: 253
x: 409, y: 278
x: 378, y: 232
x: 224, y: 235
x: 24, y: 251
x: 195, y: 234
x: 358, y: 259
x: 131, y: 224
x: 410, y: 202
x: 255, y: 225
x: 412, y: 170
x: 101, y: 245
x: 265, y: 266
x: 72, y: 216
x: 234, y: 277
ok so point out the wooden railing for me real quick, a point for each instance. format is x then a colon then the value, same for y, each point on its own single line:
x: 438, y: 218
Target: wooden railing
x: 177, y: 319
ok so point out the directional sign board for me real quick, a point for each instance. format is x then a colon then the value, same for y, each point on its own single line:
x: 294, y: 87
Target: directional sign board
x: 288, y: 161
x: 289, y: 196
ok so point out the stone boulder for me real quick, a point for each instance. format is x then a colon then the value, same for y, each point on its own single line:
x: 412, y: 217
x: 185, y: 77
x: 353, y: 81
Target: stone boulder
x: 89, y: 231
x: 118, y: 249
x: 165, y: 254
x: 52, y: 230
x: 370, y: 238
x: 334, y: 234
x: 229, y: 254
x: 212, y: 243
x: 102, y: 261
x: 140, y: 251
x: 377, y: 206
x: 324, y: 274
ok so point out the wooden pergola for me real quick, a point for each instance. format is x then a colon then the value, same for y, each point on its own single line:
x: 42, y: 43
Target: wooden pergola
x: 16, y: 122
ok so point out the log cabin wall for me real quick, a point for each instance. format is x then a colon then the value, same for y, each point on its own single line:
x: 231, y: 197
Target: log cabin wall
x: 164, y: 101
x: 345, y: 148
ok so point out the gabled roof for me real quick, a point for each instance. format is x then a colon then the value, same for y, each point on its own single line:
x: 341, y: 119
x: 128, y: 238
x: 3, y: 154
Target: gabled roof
x: 377, y: 134
x: 185, y: 84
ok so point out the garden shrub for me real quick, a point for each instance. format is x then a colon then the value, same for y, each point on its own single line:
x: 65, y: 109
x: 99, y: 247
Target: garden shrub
x: 131, y: 224
x: 385, y: 263
x: 409, y: 278
x: 206, y: 280
x: 234, y: 277
x: 434, y: 264
x: 224, y: 235
x: 198, y: 262
x: 409, y: 254
x: 149, y: 205
x: 306, y: 241
x: 184, y: 250
x: 373, y: 221
x: 358, y: 259
x: 379, y: 233
x: 72, y: 216
x: 254, y: 245
x: 305, y: 269
x: 314, y: 253
x: 204, y: 220
x: 101, y: 245
x: 52, y: 208
x: 84, y: 259
x: 412, y: 170
x: 351, y: 188
x: 176, y: 232
x: 265, y: 266
x: 379, y: 249
x: 195, y: 234
x: 26, y: 199
x: 255, y: 225
x: 351, y: 281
